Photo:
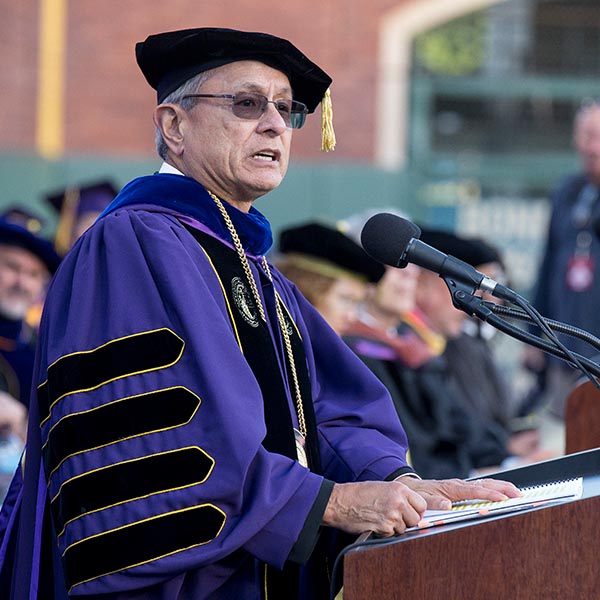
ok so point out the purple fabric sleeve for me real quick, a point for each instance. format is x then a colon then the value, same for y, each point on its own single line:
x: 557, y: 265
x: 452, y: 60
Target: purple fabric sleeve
x: 167, y: 282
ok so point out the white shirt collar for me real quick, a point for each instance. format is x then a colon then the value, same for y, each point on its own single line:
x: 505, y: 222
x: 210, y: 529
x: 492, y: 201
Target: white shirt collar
x: 170, y: 169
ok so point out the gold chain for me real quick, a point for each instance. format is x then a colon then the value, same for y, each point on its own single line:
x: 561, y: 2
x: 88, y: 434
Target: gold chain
x: 288, y: 347
x: 280, y: 317
x: 240, y: 251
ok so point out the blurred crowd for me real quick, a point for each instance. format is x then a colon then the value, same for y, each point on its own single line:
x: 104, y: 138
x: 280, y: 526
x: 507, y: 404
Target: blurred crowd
x: 27, y: 262
x: 447, y: 388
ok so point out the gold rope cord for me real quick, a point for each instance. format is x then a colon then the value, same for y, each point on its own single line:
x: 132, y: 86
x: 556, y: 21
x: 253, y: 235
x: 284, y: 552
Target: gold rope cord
x: 280, y: 317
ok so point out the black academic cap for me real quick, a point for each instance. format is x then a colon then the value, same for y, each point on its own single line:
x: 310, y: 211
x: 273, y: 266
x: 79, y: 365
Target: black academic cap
x: 329, y: 245
x: 13, y: 232
x: 90, y: 197
x: 169, y: 59
x: 21, y: 216
x: 483, y: 253
x: 473, y: 251
x: 73, y: 202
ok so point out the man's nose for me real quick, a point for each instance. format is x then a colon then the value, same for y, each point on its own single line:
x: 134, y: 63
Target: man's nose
x: 272, y: 119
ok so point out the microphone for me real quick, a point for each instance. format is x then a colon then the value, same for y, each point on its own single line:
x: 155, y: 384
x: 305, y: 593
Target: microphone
x: 395, y: 241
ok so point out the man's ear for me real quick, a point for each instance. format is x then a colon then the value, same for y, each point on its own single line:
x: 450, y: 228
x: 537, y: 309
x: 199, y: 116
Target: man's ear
x: 168, y: 119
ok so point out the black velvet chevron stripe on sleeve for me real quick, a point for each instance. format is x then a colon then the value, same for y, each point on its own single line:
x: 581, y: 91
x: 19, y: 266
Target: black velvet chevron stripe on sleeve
x: 88, y: 370
x: 141, y: 542
x: 130, y: 480
x: 117, y: 421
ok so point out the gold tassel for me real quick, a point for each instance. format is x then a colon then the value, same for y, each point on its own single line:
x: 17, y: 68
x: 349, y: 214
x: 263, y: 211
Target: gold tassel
x: 327, y: 133
x: 66, y: 221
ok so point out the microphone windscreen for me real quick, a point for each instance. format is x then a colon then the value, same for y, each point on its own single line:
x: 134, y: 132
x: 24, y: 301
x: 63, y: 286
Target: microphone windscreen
x: 385, y: 238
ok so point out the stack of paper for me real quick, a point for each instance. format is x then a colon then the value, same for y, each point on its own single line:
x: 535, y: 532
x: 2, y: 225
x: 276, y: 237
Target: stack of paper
x: 531, y: 497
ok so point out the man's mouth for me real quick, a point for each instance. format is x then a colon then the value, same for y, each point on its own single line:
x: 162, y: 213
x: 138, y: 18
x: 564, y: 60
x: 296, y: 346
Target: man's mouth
x: 266, y: 155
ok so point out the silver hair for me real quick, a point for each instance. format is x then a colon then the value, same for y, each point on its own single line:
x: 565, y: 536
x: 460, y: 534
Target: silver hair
x: 586, y: 106
x: 191, y: 86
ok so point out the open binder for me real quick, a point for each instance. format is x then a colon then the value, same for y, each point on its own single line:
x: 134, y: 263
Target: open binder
x: 531, y: 497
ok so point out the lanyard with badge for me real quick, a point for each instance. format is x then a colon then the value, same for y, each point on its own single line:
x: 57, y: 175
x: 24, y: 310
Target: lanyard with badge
x: 580, y: 268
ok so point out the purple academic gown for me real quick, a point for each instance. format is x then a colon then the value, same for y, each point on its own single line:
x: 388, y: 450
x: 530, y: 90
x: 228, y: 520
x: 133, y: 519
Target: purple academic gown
x: 149, y: 422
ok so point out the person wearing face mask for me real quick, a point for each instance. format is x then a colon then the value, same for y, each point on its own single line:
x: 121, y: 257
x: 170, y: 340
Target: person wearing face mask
x: 472, y: 381
x: 476, y: 373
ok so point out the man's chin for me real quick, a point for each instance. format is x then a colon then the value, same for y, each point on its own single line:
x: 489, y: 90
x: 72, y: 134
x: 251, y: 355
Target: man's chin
x: 265, y: 182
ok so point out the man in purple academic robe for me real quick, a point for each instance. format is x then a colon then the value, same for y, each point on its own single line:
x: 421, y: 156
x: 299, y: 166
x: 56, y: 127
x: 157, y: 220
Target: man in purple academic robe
x: 198, y: 431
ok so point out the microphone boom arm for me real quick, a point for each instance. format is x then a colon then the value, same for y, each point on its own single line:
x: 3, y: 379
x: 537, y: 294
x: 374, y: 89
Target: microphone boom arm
x: 521, y: 315
x: 475, y: 306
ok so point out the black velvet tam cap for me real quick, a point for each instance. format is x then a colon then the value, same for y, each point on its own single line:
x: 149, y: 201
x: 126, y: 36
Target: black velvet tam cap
x: 91, y: 197
x: 73, y: 203
x: 15, y: 232
x: 326, y: 244
x: 169, y: 59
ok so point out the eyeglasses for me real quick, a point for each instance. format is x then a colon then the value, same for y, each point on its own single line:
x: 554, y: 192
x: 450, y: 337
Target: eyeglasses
x: 248, y: 105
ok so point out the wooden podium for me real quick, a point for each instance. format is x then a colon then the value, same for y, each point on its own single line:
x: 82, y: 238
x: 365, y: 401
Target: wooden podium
x: 537, y: 554
x: 582, y: 418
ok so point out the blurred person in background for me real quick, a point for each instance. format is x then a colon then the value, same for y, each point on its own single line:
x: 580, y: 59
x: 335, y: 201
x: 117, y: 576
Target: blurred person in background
x: 568, y: 281
x: 77, y: 208
x: 27, y: 262
x: 404, y: 349
x: 392, y: 339
x: 475, y: 369
x: 466, y: 379
x: 332, y: 271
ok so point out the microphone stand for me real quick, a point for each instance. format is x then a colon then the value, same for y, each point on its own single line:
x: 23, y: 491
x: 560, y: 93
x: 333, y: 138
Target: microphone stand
x: 464, y: 299
x: 521, y: 315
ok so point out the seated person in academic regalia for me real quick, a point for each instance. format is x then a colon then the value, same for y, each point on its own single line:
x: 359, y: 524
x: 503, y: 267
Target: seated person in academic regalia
x: 474, y: 368
x: 491, y: 441
x: 394, y: 340
x: 26, y: 264
x: 404, y: 347
x: 27, y: 261
x: 331, y: 270
x: 78, y: 207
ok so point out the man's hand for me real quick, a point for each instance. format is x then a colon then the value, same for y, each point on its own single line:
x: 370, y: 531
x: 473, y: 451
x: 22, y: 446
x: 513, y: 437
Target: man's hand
x: 388, y: 507
x: 385, y: 507
x: 439, y: 494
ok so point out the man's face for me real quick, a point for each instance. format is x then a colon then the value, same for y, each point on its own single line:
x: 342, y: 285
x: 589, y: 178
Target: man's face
x: 237, y: 159
x: 23, y: 277
x: 587, y: 141
x: 339, y: 305
x: 395, y: 292
x: 435, y: 301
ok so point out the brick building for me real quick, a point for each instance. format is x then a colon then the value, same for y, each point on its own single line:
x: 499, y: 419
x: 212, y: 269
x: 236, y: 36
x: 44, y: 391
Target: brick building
x: 72, y: 85
x: 75, y: 106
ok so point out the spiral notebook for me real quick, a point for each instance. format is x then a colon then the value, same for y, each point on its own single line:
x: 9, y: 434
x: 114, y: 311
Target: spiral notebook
x: 531, y: 497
